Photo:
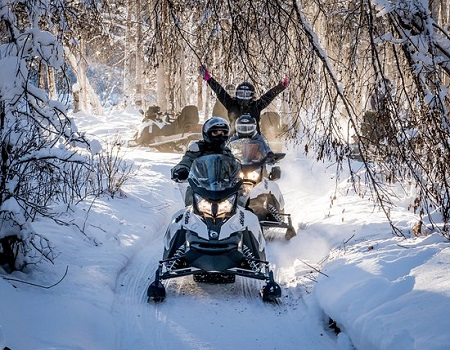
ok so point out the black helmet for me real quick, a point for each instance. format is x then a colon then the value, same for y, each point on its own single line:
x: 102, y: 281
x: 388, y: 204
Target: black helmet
x: 213, y: 125
x: 245, y: 92
x: 246, y: 126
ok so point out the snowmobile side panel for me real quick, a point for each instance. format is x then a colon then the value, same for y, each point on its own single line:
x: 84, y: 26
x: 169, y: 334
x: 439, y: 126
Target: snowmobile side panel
x: 174, y: 226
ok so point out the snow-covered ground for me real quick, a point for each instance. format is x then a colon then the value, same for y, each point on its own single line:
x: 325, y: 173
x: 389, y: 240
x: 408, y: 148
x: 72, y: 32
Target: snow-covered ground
x: 382, y: 291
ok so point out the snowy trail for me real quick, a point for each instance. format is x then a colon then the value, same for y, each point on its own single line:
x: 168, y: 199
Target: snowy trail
x: 205, y: 316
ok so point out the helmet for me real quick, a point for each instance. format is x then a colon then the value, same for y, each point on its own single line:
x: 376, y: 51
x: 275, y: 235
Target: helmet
x: 213, y: 125
x: 245, y: 92
x: 246, y: 126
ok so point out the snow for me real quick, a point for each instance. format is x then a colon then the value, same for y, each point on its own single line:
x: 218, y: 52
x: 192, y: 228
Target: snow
x: 383, y: 292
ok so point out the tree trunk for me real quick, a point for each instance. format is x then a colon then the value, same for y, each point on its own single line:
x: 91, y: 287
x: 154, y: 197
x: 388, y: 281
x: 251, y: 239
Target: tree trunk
x: 160, y: 82
x: 91, y: 98
x: 182, y: 72
x: 139, y: 103
x: 51, y: 83
x: 128, y: 72
x: 200, y: 94
x: 82, y: 78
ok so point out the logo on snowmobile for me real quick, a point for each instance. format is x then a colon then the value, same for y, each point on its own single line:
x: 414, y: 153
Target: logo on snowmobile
x: 213, y: 234
x: 187, y: 217
x: 178, y: 218
x: 241, y: 218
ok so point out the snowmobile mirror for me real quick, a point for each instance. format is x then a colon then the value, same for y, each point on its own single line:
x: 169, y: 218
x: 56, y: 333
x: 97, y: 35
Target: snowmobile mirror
x: 272, y: 158
x: 275, y: 173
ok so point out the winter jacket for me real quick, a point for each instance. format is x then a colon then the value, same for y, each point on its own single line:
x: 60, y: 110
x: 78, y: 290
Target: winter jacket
x: 254, y: 108
x: 197, y: 149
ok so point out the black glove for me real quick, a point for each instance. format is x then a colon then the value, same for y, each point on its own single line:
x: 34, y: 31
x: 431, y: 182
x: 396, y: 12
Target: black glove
x: 180, y: 174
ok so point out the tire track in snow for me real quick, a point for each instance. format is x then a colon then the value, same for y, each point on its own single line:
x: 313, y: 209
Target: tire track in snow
x: 131, y: 304
x: 143, y: 325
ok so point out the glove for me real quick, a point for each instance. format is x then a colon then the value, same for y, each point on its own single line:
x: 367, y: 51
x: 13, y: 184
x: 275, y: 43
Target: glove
x: 204, y: 73
x: 285, y: 81
x: 180, y: 174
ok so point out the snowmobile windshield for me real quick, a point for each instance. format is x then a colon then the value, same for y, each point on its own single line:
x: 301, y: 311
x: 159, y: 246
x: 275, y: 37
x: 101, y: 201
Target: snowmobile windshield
x: 248, y: 151
x: 215, y: 175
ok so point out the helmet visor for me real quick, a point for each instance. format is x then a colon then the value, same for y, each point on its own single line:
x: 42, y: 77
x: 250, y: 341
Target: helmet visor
x: 244, y: 94
x: 246, y: 129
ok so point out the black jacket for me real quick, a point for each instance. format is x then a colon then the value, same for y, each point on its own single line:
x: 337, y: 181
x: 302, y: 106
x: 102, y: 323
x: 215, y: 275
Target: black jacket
x: 197, y: 149
x: 254, y: 108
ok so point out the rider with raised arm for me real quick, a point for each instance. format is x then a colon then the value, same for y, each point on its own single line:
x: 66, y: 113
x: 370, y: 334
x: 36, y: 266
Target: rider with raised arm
x: 244, y: 101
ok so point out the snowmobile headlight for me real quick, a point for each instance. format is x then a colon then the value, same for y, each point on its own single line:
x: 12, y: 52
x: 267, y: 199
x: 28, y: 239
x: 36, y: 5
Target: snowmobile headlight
x: 203, y: 205
x: 252, y: 176
x: 226, y: 206
x: 215, y: 209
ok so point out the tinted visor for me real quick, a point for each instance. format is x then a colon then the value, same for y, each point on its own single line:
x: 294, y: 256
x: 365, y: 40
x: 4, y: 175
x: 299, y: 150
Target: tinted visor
x: 218, y: 132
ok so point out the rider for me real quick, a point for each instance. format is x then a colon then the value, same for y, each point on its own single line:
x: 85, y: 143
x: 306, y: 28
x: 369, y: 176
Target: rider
x: 244, y: 99
x: 215, y: 133
x: 246, y: 128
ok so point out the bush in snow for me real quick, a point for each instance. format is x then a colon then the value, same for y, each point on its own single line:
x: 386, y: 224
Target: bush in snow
x: 39, y: 142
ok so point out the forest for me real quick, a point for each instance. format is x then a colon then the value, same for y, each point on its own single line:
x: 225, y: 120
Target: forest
x: 368, y: 80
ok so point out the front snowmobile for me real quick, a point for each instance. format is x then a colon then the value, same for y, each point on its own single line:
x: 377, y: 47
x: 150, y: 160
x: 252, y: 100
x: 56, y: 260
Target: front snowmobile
x: 214, y: 239
x: 259, y: 191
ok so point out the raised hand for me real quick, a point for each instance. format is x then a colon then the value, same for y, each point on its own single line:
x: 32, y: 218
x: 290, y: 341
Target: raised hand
x: 285, y: 81
x: 204, y: 72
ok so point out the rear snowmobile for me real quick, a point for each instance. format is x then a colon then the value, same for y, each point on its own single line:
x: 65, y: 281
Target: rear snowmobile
x: 259, y: 192
x: 214, y: 239
x: 166, y: 133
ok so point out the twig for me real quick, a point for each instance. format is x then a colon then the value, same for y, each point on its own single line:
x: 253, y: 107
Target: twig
x: 314, y: 268
x: 37, y: 285
x: 345, y: 242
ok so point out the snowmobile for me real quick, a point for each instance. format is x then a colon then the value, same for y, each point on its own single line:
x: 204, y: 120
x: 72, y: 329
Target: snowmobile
x: 259, y: 192
x: 214, y: 239
x: 167, y: 133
